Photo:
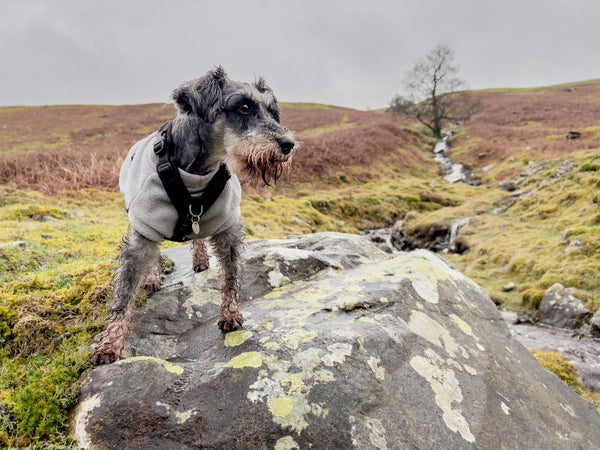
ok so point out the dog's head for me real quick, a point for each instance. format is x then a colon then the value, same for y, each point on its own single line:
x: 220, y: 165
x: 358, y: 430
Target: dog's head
x: 247, y: 119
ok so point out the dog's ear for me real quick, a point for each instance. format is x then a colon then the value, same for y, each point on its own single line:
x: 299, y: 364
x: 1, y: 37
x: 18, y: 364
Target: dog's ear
x: 182, y: 96
x: 210, y: 92
x: 204, y: 96
x: 261, y: 85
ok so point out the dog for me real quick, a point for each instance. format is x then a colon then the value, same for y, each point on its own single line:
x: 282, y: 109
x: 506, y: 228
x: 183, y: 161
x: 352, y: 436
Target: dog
x: 183, y: 183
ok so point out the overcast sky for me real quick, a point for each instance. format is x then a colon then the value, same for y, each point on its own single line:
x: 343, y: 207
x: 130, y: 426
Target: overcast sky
x: 344, y: 52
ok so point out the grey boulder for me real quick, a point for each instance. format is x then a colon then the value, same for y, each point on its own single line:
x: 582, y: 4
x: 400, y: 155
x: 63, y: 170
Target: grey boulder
x: 343, y: 346
x: 560, y: 309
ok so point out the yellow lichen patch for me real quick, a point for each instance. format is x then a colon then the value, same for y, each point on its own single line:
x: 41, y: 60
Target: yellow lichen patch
x: 295, y: 384
x: 367, y: 319
x: 247, y: 359
x: 292, y: 340
x: 169, y: 367
x: 236, y: 338
x: 281, y: 406
x: 421, y: 324
x: 464, y: 326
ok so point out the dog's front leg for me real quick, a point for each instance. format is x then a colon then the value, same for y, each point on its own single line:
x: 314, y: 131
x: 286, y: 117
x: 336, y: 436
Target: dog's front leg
x: 138, y: 256
x: 154, y: 278
x: 227, y: 246
x: 200, y: 260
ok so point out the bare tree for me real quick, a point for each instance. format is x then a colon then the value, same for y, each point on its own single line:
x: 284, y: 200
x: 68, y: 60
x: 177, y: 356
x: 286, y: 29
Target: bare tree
x: 435, y: 93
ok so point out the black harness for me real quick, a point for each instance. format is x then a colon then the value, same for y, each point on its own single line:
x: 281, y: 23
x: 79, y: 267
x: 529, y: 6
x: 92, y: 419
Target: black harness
x: 189, y: 207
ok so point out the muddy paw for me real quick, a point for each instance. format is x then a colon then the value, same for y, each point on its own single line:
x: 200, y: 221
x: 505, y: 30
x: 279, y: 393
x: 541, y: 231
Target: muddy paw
x: 152, y: 286
x: 200, y: 266
x: 231, y: 323
x: 104, y: 354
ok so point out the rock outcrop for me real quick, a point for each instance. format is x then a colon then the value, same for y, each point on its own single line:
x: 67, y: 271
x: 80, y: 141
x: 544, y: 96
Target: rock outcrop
x: 344, y: 346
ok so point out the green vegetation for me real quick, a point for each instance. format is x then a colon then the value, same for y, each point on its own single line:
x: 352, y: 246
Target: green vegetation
x: 564, y: 370
x: 525, y: 239
x: 304, y: 105
x: 52, y: 299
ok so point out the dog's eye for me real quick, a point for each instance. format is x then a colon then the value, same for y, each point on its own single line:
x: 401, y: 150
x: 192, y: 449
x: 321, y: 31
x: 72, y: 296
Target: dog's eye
x: 244, y: 108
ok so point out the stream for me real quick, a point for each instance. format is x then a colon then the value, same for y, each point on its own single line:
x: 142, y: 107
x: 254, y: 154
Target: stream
x: 451, y: 172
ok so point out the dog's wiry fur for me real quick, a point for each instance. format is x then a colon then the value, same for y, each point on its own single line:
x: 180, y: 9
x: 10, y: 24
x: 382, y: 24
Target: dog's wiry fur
x: 217, y: 120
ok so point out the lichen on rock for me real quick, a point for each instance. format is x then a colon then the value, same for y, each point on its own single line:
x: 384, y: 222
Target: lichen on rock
x: 358, y: 349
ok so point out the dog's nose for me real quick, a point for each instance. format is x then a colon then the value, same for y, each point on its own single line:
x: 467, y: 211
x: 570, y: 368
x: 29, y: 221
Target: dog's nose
x: 286, y: 144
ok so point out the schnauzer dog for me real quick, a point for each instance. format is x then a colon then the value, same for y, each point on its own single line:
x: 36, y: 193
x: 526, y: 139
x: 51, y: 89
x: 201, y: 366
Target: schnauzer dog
x: 178, y: 186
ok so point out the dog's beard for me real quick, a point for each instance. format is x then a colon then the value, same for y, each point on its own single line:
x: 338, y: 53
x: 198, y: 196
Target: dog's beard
x: 256, y: 165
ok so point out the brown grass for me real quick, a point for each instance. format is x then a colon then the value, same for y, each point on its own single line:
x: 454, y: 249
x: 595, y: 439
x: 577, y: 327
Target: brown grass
x: 370, y: 138
x: 57, y: 148
x: 302, y: 119
x: 531, y: 124
x: 71, y: 147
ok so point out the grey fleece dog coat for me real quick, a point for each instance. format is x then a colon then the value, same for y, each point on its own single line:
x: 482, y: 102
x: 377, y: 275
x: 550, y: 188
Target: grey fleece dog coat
x: 150, y: 211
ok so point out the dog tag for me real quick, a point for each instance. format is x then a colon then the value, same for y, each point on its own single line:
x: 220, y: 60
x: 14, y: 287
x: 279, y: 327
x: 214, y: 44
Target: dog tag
x: 195, y: 219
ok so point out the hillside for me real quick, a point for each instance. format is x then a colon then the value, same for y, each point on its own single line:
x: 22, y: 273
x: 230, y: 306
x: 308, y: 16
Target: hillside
x: 546, y: 230
x: 54, y: 148
x: 354, y: 170
x: 525, y: 126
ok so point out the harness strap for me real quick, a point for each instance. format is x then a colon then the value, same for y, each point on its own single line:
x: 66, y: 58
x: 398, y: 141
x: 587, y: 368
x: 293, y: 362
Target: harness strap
x: 189, y: 207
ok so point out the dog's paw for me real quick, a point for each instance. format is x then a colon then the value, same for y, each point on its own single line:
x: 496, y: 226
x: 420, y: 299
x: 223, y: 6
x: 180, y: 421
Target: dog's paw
x: 231, y: 323
x: 152, y: 285
x: 200, y: 266
x: 153, y: 281
x: 104, y: 354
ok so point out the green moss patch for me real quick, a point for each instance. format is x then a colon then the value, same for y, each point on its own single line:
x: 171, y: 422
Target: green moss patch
x: 564, y: 370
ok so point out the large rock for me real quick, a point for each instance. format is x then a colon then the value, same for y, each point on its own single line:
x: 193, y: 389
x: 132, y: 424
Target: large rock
x: 343, y: 346
x: 560, y: 309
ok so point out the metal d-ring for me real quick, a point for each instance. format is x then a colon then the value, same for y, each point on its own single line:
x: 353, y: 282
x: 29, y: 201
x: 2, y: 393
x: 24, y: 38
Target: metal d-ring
x: 196, y: 216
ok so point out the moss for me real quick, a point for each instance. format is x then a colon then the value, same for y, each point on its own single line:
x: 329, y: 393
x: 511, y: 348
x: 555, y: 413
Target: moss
x: 40, y: 393
x: 589, y: 167
x: 558, y: 365
x: 31, y: 211
x: 532, y: 298
x: 8, y: 319
x: 564, y: 370
x: 53, y: 293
